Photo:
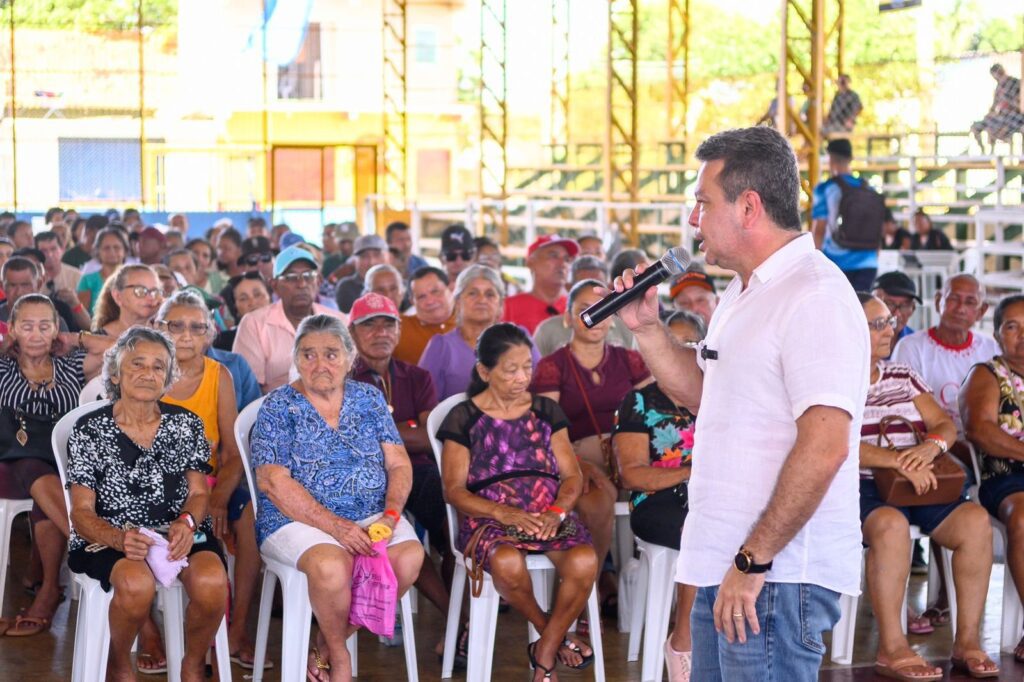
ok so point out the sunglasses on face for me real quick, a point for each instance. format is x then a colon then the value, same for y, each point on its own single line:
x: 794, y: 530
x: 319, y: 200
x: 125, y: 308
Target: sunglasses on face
x: 881, y: 323
x: 145, y: 292
x: 458, y: 255
x: 308, y: 277
x: 257, y: 258
x: 179, y: 327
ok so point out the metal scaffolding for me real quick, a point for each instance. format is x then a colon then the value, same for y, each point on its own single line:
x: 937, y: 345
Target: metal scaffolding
x: 494, y: 106
x: 677, y: 81
x: 621, y: 149
x: 811, y: 39
x: 395, y: 153
x: 559, y: 133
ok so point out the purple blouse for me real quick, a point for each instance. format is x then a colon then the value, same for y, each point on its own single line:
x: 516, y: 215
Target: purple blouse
x: 450, y: 360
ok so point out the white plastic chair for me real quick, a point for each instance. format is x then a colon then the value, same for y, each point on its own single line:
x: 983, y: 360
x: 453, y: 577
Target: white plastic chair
x: 92, y: 391
x: 92, y: 629
x: 297, y: 611
x: 843, y: 632
x: 8, y: 510
x: 652, y: 606
x: 483, y: 610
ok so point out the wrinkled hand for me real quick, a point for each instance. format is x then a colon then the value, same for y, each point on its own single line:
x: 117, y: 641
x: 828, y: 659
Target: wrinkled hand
x: 524, y: 521
x: 354, y: 539
x: 738, y: 595
x: 639, y: 314
x: 65, y: 343
x: 918, y: 457
x: 179, y: 540
x: 923, y: 480
x: 550, y: 523
x: 135, y: 545
x: 219, y: 514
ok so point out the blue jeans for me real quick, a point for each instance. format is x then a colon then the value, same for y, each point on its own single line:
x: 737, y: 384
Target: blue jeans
x: 789, y: 647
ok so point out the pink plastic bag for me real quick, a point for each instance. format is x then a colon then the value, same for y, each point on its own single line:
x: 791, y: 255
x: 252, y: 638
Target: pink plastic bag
x: 374, y: 592
x: 158, y: 558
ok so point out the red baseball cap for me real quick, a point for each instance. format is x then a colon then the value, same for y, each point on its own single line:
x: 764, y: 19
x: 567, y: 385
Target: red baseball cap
x: 553, y: 240
x: 693, y: 278
x: 369, y: 306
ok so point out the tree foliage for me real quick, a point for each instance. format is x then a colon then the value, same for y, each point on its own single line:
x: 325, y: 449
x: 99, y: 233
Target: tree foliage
x: 89, y: 15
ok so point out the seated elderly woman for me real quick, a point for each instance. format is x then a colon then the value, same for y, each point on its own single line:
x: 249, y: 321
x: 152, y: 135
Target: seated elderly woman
x: 139, y: 463
x: 653, y: 441
x: 509, y: 469
x: 37, y: 388
x: 991, y: 403
x: 204, y: 387
x: 589, y: 378
x: 131, y: 296
x: 329, y: 462
x: 479, y: 301
x: 896, y: 390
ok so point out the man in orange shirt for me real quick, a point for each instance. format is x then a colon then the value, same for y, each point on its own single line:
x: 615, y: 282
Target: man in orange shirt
x: 435, y: 313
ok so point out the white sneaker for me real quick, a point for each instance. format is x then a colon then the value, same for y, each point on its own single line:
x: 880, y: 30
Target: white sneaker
x: 678, y: 663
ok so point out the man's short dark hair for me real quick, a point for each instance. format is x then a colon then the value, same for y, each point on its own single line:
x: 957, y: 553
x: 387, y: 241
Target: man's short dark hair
x: 840, y: 148
x: 47, y: 236
x: 7, y: 215
x: 428, y: 270
x: 997, y: 68
x: 13, y: 228
x: 256, y: 221
x: 396, y: 226
x: 19, y: 264
x: 761, y: 160
x: 181, y: 252
x: 96, y: 222
x: 233, y: 235
x: 50, y: 212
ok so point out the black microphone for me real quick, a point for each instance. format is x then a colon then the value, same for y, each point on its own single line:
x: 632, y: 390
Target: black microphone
x: 673, y: 263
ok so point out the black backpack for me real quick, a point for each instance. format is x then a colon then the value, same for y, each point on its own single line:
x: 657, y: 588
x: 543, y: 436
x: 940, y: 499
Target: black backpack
x: 861, y: 215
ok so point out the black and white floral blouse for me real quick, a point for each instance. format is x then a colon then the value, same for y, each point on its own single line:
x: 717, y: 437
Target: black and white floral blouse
x: 145, y: 487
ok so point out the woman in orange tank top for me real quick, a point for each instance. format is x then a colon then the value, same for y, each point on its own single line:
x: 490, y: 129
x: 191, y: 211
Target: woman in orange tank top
x: 205, y: 388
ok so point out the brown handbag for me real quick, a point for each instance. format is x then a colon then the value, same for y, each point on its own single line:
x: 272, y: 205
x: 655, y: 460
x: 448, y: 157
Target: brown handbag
x: 607, y: 454
x: 898, y: 491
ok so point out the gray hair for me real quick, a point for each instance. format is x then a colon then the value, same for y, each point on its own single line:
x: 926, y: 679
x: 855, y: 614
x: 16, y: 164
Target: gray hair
x: 324, y: 324
x: 475, y: 272
x: 187, y: 299
x: 690, y: 318
x: 585, y: 263
x: 127, y: 342
x: 947, y: 286
x: 376, y: 270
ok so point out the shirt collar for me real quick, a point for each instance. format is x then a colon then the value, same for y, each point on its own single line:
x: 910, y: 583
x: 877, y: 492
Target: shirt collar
x: 361, y: 368
x: 783, y: 258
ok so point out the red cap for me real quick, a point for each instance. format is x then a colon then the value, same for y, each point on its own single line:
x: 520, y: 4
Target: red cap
x: 373, y: 305
x: 153, y: 233
x: 552, y: 240
x: 692, y: 279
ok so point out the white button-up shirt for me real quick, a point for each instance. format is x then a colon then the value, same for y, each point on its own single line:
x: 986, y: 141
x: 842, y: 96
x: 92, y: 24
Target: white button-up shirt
x: 794, y: 338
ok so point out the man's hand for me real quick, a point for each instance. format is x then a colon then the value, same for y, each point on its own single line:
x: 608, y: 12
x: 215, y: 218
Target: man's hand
x: 65, y: 343
x: 219, y: 514
x: 640, y: 314
x: 135, y: 545
x: 179, y: 540
x: 736, y: 605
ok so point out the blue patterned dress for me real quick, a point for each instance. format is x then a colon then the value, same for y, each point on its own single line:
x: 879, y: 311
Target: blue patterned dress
x: 343, y: 469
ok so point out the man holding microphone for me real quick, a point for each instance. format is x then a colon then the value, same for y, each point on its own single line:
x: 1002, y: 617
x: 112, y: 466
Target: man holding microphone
x: 772, y: 537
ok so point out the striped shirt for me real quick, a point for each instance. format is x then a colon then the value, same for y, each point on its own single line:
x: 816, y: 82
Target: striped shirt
x: 53, y: 401
x: 892, y: 395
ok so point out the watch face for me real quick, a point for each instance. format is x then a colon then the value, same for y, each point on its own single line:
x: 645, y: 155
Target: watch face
x: 742, y: 562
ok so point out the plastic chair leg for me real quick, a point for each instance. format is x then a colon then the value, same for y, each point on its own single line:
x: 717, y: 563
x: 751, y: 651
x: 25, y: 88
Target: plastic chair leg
x: 174, y: 630
x: 596, y: 642
x: 223, y: 652
x: 842, y: 633
x: 541, y: 581
x: 481, y: 631
x: 636, y: 625
x: 659, y: 607
x: 352, y: 644
x: 263, y: 625
x: 408, y: 640
x: 1012, y: 614
x: 295, y: 624
x: 451, y: 632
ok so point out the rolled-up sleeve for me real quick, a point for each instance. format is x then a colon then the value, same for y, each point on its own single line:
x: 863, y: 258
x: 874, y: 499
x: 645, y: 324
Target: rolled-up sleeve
x: 824, y: 355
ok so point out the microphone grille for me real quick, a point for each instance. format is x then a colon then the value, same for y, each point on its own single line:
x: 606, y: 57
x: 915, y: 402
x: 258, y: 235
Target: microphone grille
x: 676, y: 260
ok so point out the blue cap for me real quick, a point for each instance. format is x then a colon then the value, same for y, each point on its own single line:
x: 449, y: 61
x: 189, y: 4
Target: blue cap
x: 289, y: 256
x: 291, y: 239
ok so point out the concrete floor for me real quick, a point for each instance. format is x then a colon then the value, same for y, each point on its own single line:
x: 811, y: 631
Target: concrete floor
x: 47, y: 657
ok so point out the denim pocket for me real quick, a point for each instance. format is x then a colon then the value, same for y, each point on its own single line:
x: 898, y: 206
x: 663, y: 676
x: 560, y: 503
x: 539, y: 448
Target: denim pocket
x: 819, y: 611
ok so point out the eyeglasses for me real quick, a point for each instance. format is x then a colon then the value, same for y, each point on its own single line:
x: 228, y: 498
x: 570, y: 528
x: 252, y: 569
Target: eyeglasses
x: 257, y: 258
x: 179, y: 327
x: 879, y: 324
x: 907, y: 307
x: 145, y: 292
x: 458, y: 255
x: 308, y: 277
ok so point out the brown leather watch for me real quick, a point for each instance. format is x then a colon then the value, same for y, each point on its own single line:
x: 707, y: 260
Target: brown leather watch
x: 744, y: 563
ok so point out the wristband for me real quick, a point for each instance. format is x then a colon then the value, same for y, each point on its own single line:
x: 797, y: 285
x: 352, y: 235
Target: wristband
x: 393, y: 514
x: 77, y: 309
x: 940, y: 441
x: 189, y: 520
x: 557, y: 510
x: 412, y: 424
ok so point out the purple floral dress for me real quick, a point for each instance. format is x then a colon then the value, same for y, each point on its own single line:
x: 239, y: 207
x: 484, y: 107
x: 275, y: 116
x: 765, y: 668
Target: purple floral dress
x: 510, y: 462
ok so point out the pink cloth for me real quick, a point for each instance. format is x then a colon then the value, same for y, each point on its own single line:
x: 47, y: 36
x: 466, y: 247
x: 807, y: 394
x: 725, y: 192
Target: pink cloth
x: 158, y: 558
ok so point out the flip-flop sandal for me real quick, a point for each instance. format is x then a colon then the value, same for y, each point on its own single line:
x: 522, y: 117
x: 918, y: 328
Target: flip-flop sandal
x: 26, y: 626
x: 5, y: 625
x: 576, y: 649
x: 157, y: 668
x: 898, y: 670
x: 971, y: 663
x: 937, y: 616
x: 314, y: 675
x: 920, y: 626
x: 534, y: 664
x: 237, y: 659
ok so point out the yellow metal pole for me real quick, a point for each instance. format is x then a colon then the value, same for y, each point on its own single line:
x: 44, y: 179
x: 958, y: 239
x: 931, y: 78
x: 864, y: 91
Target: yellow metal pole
x: 142, y: 111
x: 395, y: 152
x: 14, y: 119
x: 621, y: 148
x: 559, y: 92
x: 268, y: 154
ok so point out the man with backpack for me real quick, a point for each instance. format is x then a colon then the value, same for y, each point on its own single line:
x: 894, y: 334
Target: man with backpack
x: 848, y: 217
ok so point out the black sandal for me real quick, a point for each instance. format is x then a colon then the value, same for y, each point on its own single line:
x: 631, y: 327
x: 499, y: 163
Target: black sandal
x: 534, y: 664
x: 461, y: 650
x: 576, y: 649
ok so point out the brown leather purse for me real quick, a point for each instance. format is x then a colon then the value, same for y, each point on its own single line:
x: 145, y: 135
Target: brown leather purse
x: 898, y: 491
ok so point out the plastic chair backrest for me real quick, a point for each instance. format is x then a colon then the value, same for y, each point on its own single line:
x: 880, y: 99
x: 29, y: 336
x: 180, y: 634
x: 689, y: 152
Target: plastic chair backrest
x: 92, y: 391
x: 59, y: 441
x: 243, y: 425
x: 434, y: 420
